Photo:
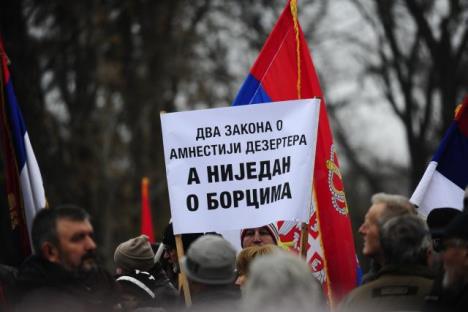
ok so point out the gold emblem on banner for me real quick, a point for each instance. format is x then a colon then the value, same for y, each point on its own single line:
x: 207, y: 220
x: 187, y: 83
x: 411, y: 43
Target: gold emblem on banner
x: 335, y: 184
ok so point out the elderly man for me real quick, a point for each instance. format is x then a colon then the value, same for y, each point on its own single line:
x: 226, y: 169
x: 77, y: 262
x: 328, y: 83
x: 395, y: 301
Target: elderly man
x: 63, y: 274
x: 260, y: 236
x: 384, y: 206
x: 404, y: 280
x: 454, y: 248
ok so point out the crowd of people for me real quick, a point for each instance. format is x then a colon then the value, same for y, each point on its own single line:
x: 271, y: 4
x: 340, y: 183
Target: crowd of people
x: 416, y: 265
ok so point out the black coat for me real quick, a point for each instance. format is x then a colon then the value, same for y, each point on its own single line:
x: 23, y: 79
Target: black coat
x: 441, y: 300
x: 45, y: 286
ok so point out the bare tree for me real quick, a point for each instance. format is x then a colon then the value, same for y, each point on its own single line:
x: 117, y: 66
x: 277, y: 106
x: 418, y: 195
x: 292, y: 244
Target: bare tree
x: 420, y: 65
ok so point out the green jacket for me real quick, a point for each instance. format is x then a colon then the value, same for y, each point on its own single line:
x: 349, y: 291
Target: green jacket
x: 396, y: 288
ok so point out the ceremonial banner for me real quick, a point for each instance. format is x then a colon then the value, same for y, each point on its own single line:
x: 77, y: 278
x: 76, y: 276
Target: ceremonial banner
x: 231, y: 168
x: 24, y: 186
x: 446, y: 176
x: 284, y: 71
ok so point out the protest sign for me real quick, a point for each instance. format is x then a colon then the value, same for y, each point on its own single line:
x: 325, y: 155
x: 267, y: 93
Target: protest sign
x: 237, y: 167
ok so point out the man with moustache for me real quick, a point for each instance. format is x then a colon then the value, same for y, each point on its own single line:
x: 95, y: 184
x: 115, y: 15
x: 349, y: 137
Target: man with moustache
x: 63, y: 275
x: 454, y: 249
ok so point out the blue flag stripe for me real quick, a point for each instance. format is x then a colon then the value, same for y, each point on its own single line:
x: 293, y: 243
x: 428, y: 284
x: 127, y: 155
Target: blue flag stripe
x: 17, y: 125
x: 251, y: 92
x: 453, y: 160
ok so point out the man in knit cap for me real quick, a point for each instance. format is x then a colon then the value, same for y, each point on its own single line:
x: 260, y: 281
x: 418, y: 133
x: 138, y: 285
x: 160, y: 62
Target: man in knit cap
x: 260, y: 236
x: 134, y: 254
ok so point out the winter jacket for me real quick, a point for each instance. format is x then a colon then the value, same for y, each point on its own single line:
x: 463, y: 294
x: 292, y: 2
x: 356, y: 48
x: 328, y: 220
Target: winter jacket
x: 45, y: 286
x: 396, y: 288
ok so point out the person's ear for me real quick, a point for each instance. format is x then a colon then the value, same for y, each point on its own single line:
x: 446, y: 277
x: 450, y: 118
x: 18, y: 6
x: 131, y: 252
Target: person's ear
x: 50, y: 252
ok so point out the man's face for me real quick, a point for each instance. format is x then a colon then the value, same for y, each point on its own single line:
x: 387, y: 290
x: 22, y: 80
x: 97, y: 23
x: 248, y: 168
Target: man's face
x: 455, y: 259
x: 370, y: 230
x: 257, y: 237
x: 170, y: 254
x: 77, y: 249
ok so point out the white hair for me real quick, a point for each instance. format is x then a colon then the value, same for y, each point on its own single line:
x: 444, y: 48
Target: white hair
x: 281, y: 281
x: 395, y: 205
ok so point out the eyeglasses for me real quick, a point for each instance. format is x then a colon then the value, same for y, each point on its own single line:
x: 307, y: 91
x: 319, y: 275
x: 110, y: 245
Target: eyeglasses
x: 440, y: 245
x: 437, y: 244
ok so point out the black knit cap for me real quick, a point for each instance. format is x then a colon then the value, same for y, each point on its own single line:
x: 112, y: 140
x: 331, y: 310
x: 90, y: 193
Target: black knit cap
x: 169, y: 238
x: 458, y: 228
x: 439, y: 218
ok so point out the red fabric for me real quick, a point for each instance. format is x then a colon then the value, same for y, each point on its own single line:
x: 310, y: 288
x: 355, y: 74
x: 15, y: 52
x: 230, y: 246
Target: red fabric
x: 462, y: 117
x: 276, y: 70
x: 18, y: 230
x: 146, y: 220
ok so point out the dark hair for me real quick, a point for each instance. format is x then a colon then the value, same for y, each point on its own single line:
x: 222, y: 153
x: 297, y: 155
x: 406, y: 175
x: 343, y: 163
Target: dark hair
x: 169, y: 238
x: 44, y: 227
x: 404, y: 240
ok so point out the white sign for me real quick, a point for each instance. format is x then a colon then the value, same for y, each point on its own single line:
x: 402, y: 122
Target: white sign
x: 240, y: 167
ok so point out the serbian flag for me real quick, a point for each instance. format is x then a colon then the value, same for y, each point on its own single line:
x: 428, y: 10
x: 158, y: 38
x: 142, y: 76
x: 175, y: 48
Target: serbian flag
x: 146, y: 220
x: 446, y: 176
x: 284, y: 71
x: 24, y: 188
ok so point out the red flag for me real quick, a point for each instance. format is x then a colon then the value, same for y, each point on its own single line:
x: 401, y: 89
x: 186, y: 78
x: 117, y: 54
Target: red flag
x: 12, y: 132
x: 146, y: 220
x: 284, y: 71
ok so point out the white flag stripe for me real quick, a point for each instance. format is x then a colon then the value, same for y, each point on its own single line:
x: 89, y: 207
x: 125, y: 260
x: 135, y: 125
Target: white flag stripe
x: 32, y: 189
x: 436, y: 191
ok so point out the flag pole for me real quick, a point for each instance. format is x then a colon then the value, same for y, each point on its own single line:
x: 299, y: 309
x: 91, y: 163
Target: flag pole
x: 304, y: 239
x: 293, y: 7
x: 183, y: 282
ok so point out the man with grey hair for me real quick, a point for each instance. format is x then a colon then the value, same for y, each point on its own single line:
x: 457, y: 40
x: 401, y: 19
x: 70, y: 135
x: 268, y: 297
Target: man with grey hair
x: 404, y: 280
x: 384, y: 206
x: 281, y: 281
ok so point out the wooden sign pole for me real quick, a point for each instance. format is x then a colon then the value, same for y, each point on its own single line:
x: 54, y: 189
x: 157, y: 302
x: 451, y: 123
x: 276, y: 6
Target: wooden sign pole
x: 182, y: 277
x: 304, y: 239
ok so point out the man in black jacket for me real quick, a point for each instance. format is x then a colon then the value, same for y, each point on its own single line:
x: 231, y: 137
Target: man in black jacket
x: 453, y: 295
x: 63, y: 274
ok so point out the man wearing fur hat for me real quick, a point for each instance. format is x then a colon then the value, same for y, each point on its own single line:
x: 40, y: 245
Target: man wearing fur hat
x: 260, y: 236
x: 454, y: 249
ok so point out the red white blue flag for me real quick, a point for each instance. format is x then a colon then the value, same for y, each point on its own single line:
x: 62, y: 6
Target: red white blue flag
x: 284, y: 71
x: 24, y: 188
x: 446, y: 176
